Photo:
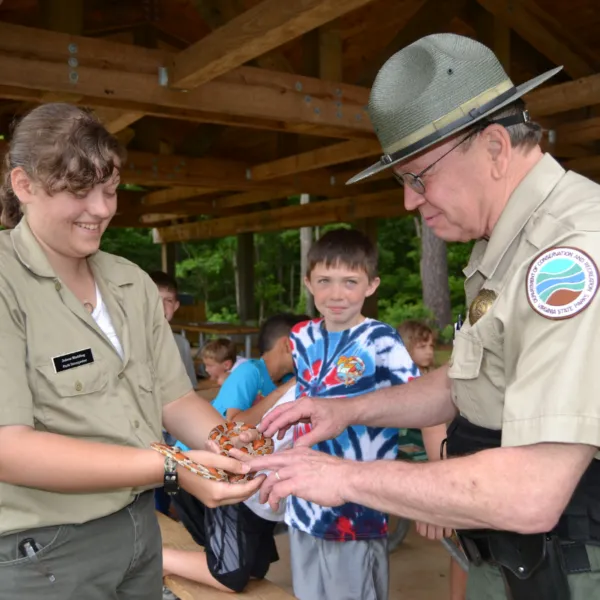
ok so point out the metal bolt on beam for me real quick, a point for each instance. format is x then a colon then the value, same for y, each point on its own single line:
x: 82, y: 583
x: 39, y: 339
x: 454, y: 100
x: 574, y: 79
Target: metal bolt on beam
x: 163, y: 76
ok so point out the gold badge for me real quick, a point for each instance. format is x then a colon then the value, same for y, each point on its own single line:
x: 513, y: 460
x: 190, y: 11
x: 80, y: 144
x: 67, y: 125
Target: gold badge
x: 482, y: 303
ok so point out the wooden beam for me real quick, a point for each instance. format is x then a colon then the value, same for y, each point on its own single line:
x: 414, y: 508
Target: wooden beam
x: 216, y: 13
x: 116, y: 120
x: 587, y: 165
x: 249, y: 198
x: 432, y: 16
x: 578, y: 132
x: 562, y: 97
x: 316, y: 159
x: 264, y: 27
x: 243, y: 97
x: 330, y: 54
x: 175, y: 194
x: 379, y: 204
x: 534, y: 28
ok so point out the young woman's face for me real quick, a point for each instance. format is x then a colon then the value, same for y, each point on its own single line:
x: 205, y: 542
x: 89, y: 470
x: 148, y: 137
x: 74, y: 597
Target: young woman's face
x: 66, y: 224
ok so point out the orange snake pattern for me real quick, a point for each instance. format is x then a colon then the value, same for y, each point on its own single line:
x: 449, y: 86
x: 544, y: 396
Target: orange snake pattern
x: 222, y: 435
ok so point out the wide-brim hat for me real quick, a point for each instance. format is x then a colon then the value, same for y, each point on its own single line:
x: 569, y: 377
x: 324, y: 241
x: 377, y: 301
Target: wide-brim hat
x: 434, y: 88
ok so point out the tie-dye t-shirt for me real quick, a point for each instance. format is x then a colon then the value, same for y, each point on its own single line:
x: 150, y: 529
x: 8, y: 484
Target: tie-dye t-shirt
x: 348, y: 363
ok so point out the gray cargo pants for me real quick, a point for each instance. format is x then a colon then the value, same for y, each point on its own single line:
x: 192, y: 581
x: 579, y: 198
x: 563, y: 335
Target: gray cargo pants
x: 118, y: 557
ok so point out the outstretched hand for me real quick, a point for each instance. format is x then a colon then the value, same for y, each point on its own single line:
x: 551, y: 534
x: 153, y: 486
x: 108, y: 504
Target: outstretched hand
x: 218, y: 493
x: 313, y: 476
x: 325, y: 417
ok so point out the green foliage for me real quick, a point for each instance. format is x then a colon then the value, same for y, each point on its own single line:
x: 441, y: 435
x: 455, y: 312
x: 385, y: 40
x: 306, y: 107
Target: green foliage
x: 134, y: 244
x: 206, y: 270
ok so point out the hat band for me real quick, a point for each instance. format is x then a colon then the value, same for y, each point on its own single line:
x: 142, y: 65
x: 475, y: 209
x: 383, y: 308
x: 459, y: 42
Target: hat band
x: 474, y: 108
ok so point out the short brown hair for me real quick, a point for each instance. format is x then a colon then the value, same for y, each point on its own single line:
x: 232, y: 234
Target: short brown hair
x: 220, y: 350
x: 61, y: 147
x: 164, y: 280
x: 346, y: 247
x: 413, y: 332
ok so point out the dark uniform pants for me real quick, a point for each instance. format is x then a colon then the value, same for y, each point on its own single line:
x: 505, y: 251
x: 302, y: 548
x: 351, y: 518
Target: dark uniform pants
x: 118, y: 557
x: 486, y: 583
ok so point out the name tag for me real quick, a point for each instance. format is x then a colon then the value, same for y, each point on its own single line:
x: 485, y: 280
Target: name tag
x: 72, y: 360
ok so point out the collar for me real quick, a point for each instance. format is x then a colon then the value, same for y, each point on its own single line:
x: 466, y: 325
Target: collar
x: 113, y: 269
x: 522, y: 204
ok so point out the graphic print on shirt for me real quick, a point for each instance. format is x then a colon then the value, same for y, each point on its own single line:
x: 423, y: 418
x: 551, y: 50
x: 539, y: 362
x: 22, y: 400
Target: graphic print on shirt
x: 345, y: 364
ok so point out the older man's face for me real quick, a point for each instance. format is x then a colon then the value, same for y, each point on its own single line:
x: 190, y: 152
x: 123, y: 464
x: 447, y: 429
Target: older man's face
x: 453, y: 204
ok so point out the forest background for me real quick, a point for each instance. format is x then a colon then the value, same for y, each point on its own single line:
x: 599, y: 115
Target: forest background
x: 206, y: 271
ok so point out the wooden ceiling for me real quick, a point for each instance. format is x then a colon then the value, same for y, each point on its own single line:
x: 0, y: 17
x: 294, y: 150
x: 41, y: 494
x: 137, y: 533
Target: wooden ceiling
x: 229, y: 107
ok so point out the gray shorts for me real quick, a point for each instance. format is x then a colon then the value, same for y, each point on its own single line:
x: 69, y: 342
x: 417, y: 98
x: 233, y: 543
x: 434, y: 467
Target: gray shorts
x: 118, y: 557
x: 330, y: 570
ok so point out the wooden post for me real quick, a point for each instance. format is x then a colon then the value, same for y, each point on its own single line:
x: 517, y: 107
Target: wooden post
x: 245, y: 267
x: 306, y: 239
x: 169, y: 257
x: 369, y: 228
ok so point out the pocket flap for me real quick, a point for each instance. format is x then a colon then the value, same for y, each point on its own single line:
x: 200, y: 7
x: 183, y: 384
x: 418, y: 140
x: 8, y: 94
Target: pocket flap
x: 466, y: 356
x: 79, y: 381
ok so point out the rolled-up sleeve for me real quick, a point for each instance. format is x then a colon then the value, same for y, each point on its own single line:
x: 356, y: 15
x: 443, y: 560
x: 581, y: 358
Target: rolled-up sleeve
x: 16, y: 400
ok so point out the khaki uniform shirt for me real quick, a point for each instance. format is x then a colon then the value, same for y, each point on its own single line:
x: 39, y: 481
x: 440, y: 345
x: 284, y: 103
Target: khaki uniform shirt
x: 106, y: 399
x: 530, y: 365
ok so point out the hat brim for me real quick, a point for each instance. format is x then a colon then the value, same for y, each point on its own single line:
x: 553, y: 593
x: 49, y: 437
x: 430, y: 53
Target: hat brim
x: 520, y: 90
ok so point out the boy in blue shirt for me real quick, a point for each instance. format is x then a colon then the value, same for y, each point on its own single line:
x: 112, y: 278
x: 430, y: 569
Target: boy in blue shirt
x: 341, y: 552
x: 238, y: 540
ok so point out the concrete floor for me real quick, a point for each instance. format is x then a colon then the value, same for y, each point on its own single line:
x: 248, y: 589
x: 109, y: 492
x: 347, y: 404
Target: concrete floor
x: 418, y: 569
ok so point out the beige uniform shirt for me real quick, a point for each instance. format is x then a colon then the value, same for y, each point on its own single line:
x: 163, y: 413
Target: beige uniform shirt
x: 59, y: 373
x: 530, y: 365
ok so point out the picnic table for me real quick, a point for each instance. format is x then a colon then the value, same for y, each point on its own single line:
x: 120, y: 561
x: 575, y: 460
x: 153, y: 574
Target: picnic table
x: 222, y: 329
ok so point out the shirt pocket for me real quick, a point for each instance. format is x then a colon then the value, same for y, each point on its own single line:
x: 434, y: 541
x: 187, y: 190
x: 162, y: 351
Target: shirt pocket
x: 74, y: 402
x: 150, y: 406
x: 464, y: 370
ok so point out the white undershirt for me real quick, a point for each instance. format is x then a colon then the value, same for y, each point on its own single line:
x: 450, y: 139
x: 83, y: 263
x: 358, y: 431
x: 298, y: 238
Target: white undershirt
x: 103, y: 320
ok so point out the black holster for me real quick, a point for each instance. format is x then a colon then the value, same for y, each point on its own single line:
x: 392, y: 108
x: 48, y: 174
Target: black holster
x: 534, y: 566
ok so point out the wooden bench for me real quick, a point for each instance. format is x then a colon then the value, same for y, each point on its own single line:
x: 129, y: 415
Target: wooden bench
x: 174, y: 535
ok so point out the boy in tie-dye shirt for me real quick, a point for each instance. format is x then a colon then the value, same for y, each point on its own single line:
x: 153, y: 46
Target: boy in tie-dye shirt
x: 341, y: 552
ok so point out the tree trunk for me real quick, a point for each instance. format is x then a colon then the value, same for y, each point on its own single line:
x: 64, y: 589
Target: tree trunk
x: 434, y: 275
x: 292, y: 276
x: 305, y: 244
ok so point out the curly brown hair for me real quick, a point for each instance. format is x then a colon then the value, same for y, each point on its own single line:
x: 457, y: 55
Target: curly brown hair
x: 62, y: 148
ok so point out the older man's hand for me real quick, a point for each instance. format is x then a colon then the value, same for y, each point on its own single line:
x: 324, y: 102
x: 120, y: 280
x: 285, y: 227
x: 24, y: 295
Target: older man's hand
x: 304, y: 473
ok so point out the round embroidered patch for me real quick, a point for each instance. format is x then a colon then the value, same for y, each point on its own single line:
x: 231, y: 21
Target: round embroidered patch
x: 561, y: 282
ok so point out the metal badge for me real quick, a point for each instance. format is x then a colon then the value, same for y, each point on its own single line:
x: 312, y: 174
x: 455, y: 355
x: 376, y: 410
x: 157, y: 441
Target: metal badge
x: 482, y: 303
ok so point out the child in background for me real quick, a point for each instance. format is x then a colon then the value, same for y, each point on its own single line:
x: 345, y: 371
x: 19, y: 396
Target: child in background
x: 419, y: 340
x: 167, y: 288
x: 341, y: 552
x: 220, y: 358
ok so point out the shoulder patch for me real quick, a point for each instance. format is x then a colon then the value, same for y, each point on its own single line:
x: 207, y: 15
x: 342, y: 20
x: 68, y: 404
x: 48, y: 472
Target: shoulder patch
x: 561, y: 282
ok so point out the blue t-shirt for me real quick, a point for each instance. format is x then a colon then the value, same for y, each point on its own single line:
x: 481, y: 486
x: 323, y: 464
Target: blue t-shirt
x: 244, y: 386
x: 347, y: 363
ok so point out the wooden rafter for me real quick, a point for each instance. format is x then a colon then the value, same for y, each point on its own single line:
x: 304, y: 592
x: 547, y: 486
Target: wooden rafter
x: 431, y: 17
x: 578, y: 132
x: 264, y: 27
x: 217, y: 13
x: 530, y: 22
x: 106, y: 77
x: 379, y: 204
x: 316, y: 159
x: 117, y: 120
x: 175, y: 194
x: 563, y: 97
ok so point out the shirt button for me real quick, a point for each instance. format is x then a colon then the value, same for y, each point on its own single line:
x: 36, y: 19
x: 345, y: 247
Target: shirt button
x: 136, y: 424
x: 57, y: 286
x: 78, y: 386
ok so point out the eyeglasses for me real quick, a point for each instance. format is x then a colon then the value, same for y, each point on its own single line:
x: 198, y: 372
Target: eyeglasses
x: 415, y: 182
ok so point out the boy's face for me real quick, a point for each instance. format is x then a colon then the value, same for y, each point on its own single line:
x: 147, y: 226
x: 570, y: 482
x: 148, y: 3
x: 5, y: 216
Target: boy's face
x: 216, y: 370
x: 339, y: 294
x: 170, y: 302
x: 422, y: 353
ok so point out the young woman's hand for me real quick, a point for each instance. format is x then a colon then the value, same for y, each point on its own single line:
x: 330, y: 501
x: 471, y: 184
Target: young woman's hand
x: 217, y: 493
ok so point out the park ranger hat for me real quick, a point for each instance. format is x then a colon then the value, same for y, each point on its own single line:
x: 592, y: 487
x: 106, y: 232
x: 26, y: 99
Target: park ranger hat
x: 434, y: 88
